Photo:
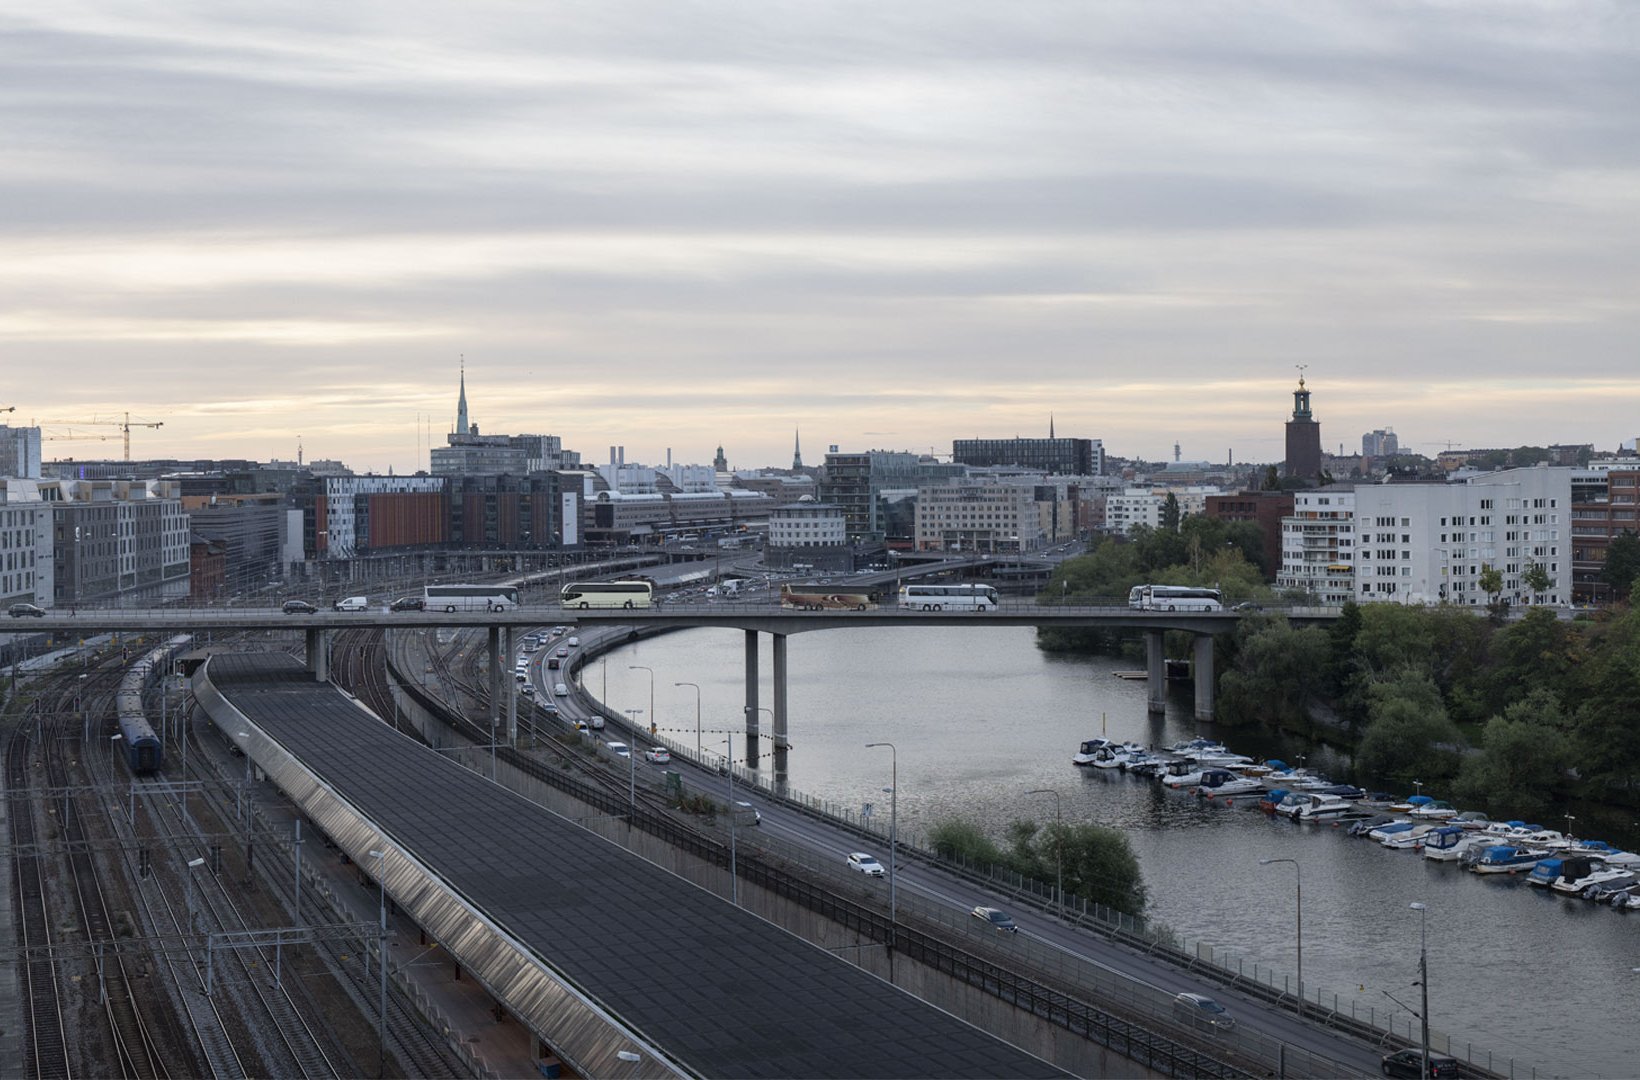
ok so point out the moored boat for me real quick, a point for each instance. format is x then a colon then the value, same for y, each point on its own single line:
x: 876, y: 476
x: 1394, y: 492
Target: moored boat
x: 1505, y: 859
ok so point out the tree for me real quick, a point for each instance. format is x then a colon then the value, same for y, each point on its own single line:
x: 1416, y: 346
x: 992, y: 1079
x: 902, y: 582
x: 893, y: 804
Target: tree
x: 1490, y: 580
x: 1408, y: 734
x: 1170, y: 513
x: 1276, y: 675
x: 1536, y: 578
x: 1272, y: 478
x: 1523, y: 761
x: 1622, y: 566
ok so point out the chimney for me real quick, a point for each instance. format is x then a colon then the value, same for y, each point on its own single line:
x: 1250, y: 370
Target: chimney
x: 669, y: 457
x: 621, y: 455
x: 612, y: 460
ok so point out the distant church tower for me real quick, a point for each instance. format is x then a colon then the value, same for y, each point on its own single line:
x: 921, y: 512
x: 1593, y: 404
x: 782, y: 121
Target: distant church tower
x: 797, y: 449
x: 1303, y: 438
x: 1050, y: 425
x: 720, y: 463
x: 461, y: 403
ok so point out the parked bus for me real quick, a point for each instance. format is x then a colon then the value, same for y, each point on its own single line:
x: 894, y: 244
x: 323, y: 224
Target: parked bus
x: 470, y: 598
x: 607, y: 594
x: 948, y: 597
x: 825, y: 598
x: 1175, y: 598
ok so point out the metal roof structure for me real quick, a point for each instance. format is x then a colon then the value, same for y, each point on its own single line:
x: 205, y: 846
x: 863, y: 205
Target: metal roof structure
x: 577, y: 937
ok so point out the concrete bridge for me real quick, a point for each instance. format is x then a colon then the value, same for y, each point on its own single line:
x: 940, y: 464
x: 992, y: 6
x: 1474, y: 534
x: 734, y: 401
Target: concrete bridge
x: 753, y: 618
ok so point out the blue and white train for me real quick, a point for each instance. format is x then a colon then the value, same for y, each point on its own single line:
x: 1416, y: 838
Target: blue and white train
x: 144, y: 752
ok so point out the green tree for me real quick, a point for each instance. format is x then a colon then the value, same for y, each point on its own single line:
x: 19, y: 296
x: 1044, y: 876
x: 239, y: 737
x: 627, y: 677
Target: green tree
x: 1607, y: 687
x: 1272, y: 478
x: 1170, y: 513
x: 1622, y: 566
x: 1523, y: 760
x: 1491, y: 582
x: 1408, y: 733
x: 1536, y: 578
x: 1537, y: 652
x: 1277, y: 674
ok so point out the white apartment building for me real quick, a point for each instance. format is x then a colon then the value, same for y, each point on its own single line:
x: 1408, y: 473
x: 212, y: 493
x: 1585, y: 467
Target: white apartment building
x: 1318, y: 544
x: 807, y: 524
x: 1143, y: 506
x: 25, y: 542
x: 978, y: 515
x: 1429, y: 543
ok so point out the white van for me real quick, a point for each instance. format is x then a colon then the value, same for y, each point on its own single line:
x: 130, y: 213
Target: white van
x: 353, y: 603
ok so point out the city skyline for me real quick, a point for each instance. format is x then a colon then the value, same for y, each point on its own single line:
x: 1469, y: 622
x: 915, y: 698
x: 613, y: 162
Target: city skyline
x: 890, y: 229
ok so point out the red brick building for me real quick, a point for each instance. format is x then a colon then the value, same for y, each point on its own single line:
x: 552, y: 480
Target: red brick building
x: 1264, y: 509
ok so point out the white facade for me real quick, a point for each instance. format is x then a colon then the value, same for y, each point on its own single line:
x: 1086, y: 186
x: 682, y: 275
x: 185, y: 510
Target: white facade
x: 1318, y: 545
x: 978, y: 515
x: 801, y: 525
x: 1429, y: 543
x: 25, y: 544
x: 1143, y: 506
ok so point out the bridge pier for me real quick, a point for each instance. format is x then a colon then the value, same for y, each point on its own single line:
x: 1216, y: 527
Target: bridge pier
x: 495, y: 680
x: 751, y: 697
x: 1155, y: 672
x: 318, y: 653
x: 1202, y: 667
x: 779, y: 710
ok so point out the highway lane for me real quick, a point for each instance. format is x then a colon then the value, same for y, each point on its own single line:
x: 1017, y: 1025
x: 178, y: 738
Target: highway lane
x: 1147, y: 984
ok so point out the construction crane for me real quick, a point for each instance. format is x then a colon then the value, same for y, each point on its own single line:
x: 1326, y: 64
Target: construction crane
x: 124, y: 425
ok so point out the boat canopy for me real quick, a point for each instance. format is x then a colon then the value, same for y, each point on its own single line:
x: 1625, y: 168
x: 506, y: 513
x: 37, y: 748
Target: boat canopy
x: 1419, y: 800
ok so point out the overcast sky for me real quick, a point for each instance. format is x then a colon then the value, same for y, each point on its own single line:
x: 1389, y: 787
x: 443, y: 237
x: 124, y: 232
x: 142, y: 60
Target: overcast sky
x: 675, y: 224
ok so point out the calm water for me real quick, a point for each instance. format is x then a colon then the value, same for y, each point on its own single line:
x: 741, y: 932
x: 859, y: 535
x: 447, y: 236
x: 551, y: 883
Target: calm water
x: 980, y: 716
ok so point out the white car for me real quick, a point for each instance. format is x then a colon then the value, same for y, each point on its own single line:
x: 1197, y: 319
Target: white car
x: 866, y: 864
x: 660, y: 755
x: 561, y: 690
x: 619, y: 749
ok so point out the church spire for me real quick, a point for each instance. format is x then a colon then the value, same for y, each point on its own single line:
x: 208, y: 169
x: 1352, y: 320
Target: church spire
x: 461, y: 403
x: 1050, y: 425
x: 797, y: 449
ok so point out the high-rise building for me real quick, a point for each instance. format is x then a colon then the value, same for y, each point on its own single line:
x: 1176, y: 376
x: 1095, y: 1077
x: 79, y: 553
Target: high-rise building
x: 25, y: 541
x: 119, y: 539
x: 1062, y: 457
x: 20, y: 452
x: 1380, y: 443
x: 1303, y: 439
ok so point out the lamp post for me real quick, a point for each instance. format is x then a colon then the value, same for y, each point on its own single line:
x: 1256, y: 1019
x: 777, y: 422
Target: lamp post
x: 243, y: 788
x: 1298, y: 879
x: 631, y: 762
x: 641, y: 667
x: 734, y: 875
x: 193, y: 864
x: 1058, y: 846
x: 381, y: 909
x: 697, y: 714
x: 1423, y: 975
x: 893, y: 822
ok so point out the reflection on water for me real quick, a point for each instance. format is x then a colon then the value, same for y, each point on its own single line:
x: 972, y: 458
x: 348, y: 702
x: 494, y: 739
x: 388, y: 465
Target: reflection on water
x: 980, y: 717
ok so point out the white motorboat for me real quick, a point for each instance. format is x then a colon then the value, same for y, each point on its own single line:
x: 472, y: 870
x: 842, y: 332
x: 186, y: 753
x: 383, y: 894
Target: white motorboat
x: 1434, y: 810
x: 1449, y: 842
x: 1410, y: 839
x: 1089, y: 749
x: 1580, y: 872
x: 1599, y: 849
x: 1390, y: 828
x: 1505, y: 859
x: 1314, y: 807
x: 1225, y: 782
x: 1183, y: 774
x: 1117, y: 756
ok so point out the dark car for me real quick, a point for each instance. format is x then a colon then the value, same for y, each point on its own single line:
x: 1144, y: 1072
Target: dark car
x: 1201, y: 1011
x: 17, y: 611
x: 1411, y: 1063
x: 996, y: 918
x: 409, y: 603
x: 298, y: 607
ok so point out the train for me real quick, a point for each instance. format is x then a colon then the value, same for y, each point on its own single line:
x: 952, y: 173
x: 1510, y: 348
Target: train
x: 144, y: 752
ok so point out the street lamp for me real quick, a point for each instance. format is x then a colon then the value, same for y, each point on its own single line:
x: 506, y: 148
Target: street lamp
x: 381, y: 908
x: 734, y: 875
x: 1423, y: 974
x: 641, y: 667
x: 1058, y: 845
x: 893, y: 822
x: 1298, y: 879
x: 697, y: 714
x: 246, y: 785
x: 193, y: 864
x: 631, y: 761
